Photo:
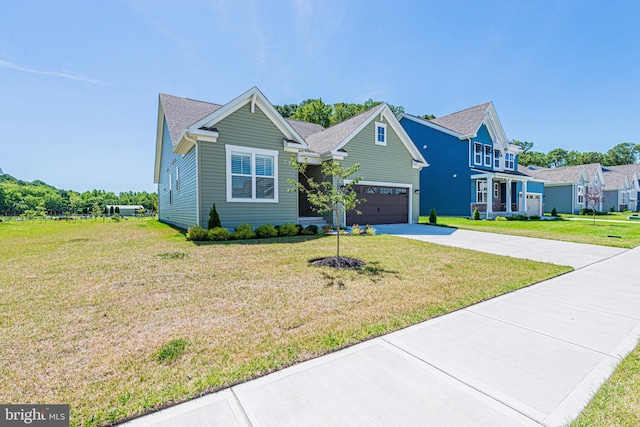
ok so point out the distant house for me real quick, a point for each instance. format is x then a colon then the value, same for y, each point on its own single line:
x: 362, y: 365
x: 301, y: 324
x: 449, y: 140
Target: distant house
x: 237, y: 156
x: 565, y: 187
x: 632, y: 173
x: 620, y: 189
x: 125, y: 210
x: 473, y: 165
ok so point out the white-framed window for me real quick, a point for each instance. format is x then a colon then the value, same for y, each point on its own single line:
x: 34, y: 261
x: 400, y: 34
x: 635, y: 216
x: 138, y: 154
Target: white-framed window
x: 580, y: 194
x: 624, y: 198
x: 509, y: 160
x: 381, y: 133
x: 170, y: 188
x: 177, y: 179
x: 487, y: 155
x: 496, y: 190
x: 477, y: 148
x: 496, y: 158
x: 481, y: 191
x: 252, y: 174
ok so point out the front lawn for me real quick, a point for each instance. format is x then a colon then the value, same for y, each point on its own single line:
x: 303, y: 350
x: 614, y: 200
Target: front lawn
x: 617, y: 402
x: 619, y: 235
x: 119, y: 318
x: 615, y: 216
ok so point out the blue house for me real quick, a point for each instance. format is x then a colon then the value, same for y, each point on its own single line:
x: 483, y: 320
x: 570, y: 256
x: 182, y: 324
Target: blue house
x: 472, y: 165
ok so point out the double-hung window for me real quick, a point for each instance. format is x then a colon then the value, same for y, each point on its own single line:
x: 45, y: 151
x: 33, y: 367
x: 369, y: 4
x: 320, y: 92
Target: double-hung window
x: 381, y: 133
x: 487, y: 155
x: 477, y: 147
x: 509, y: 161
x: 496, y: 159
x: 481, y: 191
x: 580, y: 195
x: 252, y: 174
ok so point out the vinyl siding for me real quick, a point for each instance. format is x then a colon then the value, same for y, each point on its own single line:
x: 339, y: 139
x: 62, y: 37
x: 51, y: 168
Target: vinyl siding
x: 383, y: 163
x: 483, y: 138
x: 611, y: 198
x: 560, y: 197
x: 182, y: 211
x: 250, y: 130
x: 445, y: 184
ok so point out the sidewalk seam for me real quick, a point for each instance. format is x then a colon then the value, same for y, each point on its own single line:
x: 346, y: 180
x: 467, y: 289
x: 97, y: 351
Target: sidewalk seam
x: 244, y: 412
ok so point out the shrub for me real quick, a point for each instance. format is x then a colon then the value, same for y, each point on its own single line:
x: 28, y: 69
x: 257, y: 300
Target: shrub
x: 214, y: 218
x: 266, y: 230
x: 355, y: 230
x: 327, y: 229
x: 554, y: 212
x: 433, y: 219
x: 612, y: 209
x: 501, y: 218
x: 369, y: 230
x: 197, y: 234
x: 218, y: 234
x: 310, y: 230
x: 476, y: 214
x: 517, y: 218
x: 534, y: 217
x: 116, y: 218
x: 242, y: 232
x: 288, y: 229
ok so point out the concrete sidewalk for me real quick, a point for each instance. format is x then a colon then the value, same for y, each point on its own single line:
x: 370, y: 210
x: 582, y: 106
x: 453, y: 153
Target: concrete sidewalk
x: 532, y: 357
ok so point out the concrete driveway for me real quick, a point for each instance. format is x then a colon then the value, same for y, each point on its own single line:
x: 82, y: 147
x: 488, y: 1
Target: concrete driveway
x: 576, y: 255
x: 529, y: 358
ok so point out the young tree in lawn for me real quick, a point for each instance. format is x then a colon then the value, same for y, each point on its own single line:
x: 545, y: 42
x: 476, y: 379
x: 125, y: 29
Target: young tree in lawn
x: 331, y: 194
x: 594, y: 197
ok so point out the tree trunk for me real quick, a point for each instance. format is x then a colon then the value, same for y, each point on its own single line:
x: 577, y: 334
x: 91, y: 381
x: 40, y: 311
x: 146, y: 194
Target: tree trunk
x: 338, y: 222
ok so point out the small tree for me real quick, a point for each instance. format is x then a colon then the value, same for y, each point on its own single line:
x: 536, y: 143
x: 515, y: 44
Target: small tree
x: 331, y: 194
x: 111, y: 210
x: 118, y: 210
x: 594, y: 197
x: 476, y: 214
x: 214, y: 218
x: 554, y: 212
x: 433, y: 219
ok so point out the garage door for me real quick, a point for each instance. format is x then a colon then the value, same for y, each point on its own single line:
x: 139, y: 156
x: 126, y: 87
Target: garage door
x: 384, y: 205
x: 533, y: 206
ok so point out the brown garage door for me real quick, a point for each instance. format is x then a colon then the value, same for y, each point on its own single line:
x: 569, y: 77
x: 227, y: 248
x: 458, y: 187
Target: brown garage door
x: 384, y: 205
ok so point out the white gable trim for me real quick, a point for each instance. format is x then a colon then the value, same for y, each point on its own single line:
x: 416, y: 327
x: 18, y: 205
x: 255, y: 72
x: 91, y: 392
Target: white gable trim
x: 385, y: 112
x: 159, y: 138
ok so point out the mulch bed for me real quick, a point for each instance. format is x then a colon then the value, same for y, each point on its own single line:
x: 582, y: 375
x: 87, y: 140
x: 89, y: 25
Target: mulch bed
x: 338, y: 262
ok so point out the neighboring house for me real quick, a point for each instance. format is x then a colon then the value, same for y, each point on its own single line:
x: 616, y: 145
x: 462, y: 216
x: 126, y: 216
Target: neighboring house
x: 565, y: 187
x: 619, y: 189
x: 125, y: 210
x: 237, y: 156
x: 473, y: 165
x: 633, y: 175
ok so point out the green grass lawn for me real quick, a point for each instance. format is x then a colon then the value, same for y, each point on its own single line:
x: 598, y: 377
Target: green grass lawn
x: 628, y: 235
x: 617, y: 402
x: 119, y: 318
x: 616, y: 216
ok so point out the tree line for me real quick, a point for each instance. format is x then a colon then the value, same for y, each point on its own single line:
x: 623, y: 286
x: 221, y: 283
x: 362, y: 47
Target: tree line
x: 38, y: 198
x: 325, y: 115
x: 625, y: 153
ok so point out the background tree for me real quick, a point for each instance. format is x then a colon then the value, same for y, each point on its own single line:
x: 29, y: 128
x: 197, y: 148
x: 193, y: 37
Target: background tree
x: 558, y: 157
x: 314, y: 111
x: 331, y: 194
x: 622, y: 154
x: 286, y: 110
x: 428, y: 117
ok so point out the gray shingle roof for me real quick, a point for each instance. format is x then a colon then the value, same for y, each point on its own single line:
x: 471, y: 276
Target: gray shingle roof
x: 331, y: 137
x: 627, y: 169
x: 563, y: 175
x: 304, y: 129
x: 465, y: 122
x: 180, y: 113
x: 614, y: 179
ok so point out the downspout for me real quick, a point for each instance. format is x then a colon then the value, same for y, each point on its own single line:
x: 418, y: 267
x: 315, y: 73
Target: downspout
x: 195, y: 143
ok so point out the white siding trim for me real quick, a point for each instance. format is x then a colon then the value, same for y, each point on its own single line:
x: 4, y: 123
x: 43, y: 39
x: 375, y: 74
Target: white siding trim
x: 197, y: 147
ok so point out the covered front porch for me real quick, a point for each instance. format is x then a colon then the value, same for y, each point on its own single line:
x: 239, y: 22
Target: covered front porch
x: 505, y: 194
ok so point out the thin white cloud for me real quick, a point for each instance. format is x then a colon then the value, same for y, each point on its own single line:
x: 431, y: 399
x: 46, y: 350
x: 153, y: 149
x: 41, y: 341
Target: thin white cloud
x: 77, y: 77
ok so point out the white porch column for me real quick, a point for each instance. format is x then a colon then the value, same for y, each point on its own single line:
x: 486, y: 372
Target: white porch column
x: 489, y: 196
x: 523, y: 208
x: 508, y: 196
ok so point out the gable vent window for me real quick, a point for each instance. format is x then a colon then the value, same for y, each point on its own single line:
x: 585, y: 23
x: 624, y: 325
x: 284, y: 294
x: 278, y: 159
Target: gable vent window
x: 381, y: 133
x: 252, y: 174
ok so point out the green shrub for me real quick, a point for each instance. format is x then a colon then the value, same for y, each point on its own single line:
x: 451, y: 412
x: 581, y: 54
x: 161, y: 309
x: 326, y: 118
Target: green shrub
x: 369, y: 230
x: 214, y: 218
x: 288, y: 229
x: 554, y: 212
x: 243, y: 232
x: 355, y: 230
x: 501, y: 218
x: 265, y: 231
x: 219, y: 234
x: 476, y: 214
x: 517, y: 218
x: 197, y: 234
x: 116, y: 218
x: 433, y: 219
x: 534, y: 217
x: 310, y: 230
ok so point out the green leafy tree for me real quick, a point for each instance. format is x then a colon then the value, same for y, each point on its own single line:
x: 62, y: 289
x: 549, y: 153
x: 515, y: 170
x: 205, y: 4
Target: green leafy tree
x: 286, y: 110
x: 428, y: 117
x: 625, y: 153
x: 558, y: 157
x: 314, y: 111
x: 591, y: 157
x: 525, y: 145
x: 214, y: 218
x: 331, y: 194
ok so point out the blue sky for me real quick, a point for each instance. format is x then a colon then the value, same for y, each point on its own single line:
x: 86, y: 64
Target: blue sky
x: 79, y: 80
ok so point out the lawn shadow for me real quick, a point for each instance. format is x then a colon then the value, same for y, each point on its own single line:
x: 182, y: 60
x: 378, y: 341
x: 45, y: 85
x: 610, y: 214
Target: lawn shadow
x: 268, y: 241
